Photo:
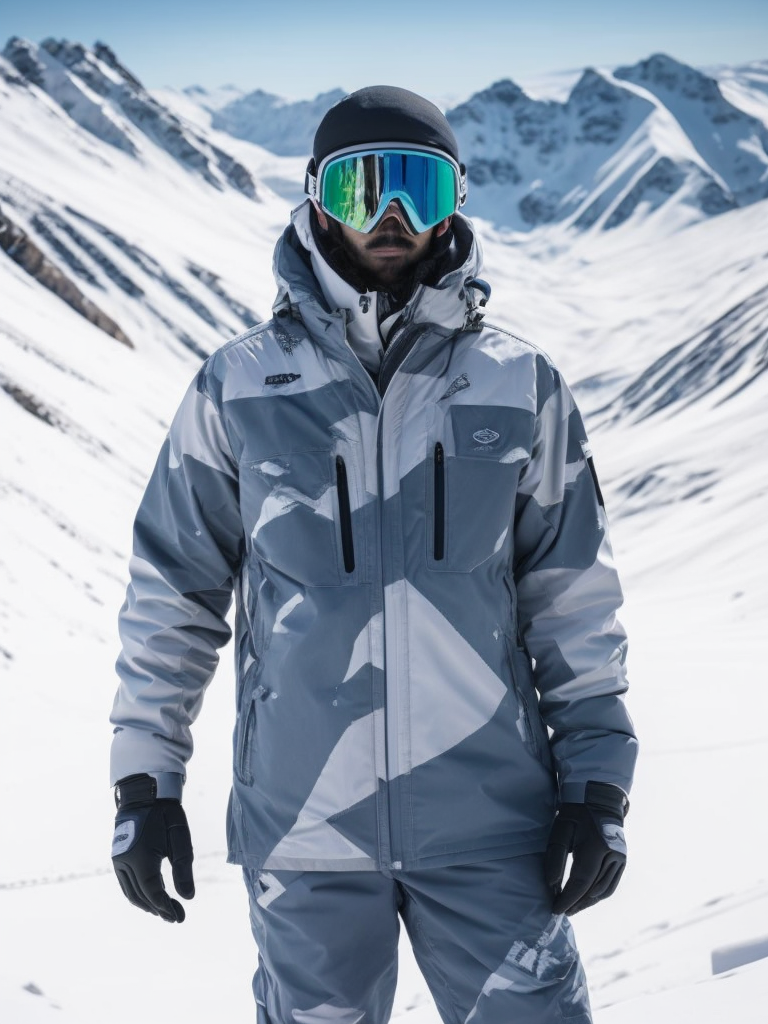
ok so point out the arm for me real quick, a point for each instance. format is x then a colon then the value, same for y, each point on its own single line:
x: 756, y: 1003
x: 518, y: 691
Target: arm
x: 568, y: 595
x: 187, y: 551
x: 186, y: 555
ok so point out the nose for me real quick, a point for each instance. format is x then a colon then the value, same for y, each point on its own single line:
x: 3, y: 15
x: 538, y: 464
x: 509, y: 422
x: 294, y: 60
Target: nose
x: 393, y: 210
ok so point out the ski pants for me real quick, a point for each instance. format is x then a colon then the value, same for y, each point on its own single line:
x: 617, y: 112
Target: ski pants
x: 483, y: 935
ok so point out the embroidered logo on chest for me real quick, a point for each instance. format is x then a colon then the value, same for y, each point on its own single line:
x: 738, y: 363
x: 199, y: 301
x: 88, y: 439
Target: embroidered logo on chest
x: 485, y: 436
x: 281, y: 378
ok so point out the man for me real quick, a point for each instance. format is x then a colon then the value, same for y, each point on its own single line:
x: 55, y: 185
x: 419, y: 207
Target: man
x: 430, y: 673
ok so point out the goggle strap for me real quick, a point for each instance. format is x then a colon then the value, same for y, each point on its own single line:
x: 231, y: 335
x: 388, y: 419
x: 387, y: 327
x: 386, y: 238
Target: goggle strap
x: 310, y: 179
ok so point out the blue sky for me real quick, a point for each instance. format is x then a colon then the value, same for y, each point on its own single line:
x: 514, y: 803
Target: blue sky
x: 297, y: 48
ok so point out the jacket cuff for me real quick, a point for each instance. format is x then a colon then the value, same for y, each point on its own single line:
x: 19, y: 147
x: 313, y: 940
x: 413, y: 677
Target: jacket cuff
x: 169, y: 785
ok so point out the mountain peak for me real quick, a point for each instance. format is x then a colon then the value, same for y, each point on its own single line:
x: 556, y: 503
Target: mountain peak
x: 663, y: 73
x: 601, y: 107
x: 107, y: 55
x: 23, y: 55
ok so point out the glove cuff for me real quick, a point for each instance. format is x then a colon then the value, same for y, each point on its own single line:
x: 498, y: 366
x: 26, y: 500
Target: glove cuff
x: 135, y: 791
x: 602, y: 796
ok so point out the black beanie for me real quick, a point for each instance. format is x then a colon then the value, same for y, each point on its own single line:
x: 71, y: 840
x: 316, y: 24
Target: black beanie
x: 383, y: 113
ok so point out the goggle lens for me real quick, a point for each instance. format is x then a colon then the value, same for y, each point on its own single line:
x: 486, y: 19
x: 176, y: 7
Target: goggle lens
x: 357, y: 188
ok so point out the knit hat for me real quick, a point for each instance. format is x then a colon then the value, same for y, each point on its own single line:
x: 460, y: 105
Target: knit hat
x: 383, y: 113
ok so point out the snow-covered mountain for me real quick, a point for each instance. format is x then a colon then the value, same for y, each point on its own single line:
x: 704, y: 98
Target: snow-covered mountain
x: 614, y: 144
x: 284, y: 127
x: 129, y: 248
x: 656, y: 134
x: 86, y: 119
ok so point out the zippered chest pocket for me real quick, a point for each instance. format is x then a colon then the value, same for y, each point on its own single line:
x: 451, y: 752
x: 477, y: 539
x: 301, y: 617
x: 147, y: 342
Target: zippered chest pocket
x: 473, y: 469
x: 297, y: 513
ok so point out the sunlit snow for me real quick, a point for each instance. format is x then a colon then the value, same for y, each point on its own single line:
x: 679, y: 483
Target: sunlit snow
x: 661, y: 326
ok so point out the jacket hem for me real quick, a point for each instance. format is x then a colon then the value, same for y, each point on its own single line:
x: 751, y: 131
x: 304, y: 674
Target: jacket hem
x: 531, y: 843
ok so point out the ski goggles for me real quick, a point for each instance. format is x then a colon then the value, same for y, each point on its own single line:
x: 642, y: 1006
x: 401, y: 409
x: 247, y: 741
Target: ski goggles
x: 356, y: 186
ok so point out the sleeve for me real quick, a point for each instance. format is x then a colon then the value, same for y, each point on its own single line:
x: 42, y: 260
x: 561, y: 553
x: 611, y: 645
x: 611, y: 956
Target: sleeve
x: 187, y: 548
x: 568, y: 593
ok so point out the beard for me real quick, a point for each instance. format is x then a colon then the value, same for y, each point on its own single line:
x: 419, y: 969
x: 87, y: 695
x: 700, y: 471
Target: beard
x: 390, y: 272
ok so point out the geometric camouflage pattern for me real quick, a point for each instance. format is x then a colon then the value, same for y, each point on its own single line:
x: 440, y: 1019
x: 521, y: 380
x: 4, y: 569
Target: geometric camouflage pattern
x: 426, y: 640
x: 483, y: 935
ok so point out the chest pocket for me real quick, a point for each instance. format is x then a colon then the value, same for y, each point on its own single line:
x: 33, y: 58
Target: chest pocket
x: 296, y: 512
x: 473, y: 468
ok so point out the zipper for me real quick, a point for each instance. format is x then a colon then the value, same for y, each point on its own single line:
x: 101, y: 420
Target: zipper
x: 390, y: 837
x: 439, y: 504
x: 345, y: 516
x: 246, y: 738
x: 519, y: 664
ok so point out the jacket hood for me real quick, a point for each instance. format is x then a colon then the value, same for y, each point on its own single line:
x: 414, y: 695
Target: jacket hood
x: 309, y: 286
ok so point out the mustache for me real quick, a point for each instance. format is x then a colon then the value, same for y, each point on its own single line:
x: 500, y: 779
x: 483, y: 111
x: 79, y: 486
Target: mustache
x: 390, y: 236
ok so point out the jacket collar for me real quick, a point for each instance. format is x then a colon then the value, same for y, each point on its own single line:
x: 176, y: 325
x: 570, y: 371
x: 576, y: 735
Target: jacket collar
x: 310, y: 288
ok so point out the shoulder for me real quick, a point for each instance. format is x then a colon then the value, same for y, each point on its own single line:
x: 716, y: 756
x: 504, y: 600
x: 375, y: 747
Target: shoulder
x: 246, y: 358
x: 524, y: 366
x: 507, y: 346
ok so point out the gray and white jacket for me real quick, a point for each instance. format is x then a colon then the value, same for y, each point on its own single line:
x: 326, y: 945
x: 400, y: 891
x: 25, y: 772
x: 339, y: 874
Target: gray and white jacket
x: 427, y: 649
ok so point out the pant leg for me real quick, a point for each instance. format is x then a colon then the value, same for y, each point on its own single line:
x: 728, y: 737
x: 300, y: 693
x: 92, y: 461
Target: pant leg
x: 489, y: 946
x: 327, y: 945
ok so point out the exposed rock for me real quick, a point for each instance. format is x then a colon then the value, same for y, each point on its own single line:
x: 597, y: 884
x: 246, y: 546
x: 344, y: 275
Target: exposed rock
x: 107, y: 56
x: 22, y: 250
x: 30, y: 403
x: 72, y: 75
x: 539, y: 206
x: 600, y: 108
x: 713, y: 199
x: 213, y: 282
x: 52, y: 226
x: 77, y: 59
x: 662, y: 180
x: 503, y: 172
x: 23, y: 55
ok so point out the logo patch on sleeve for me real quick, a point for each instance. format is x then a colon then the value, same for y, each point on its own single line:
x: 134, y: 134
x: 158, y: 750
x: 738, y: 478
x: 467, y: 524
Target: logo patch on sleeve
x: 276, y: 379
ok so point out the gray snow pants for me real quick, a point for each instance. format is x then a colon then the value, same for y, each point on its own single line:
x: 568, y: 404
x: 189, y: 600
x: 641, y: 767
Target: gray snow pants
x: 484, y: 936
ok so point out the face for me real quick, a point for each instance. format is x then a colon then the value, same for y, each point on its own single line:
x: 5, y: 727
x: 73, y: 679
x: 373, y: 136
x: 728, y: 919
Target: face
x: 386, y: 255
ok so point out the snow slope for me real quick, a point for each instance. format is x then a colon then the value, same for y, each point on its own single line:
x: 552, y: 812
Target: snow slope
x: 662, y: 326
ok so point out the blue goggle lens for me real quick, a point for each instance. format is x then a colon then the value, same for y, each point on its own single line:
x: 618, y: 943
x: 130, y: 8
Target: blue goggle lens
x: 356, y: 188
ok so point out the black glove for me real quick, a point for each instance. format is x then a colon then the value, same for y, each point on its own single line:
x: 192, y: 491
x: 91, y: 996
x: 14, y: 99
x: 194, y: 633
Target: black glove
x: 146, y: 830
x: 593, y: 833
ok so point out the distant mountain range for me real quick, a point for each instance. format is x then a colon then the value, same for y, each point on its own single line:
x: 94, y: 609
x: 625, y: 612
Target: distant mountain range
x: 632, y: 140
x: 657, y: 142
x: 624, y: 143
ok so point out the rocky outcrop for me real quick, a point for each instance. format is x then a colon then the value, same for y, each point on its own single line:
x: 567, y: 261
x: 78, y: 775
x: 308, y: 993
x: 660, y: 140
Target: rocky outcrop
x: 103, y: 97
x: 17, y: 244
x: 732, y: 143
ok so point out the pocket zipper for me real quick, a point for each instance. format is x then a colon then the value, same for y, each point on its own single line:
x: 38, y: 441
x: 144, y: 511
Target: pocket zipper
x: 246, y: 739
x: 345, y: 516
x: 439, y: 509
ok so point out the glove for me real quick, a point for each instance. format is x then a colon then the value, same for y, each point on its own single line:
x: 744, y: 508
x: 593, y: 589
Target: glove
x: 146, y: 830
x: 593, y: 833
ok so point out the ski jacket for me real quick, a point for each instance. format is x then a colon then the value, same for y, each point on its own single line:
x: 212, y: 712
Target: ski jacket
x: 427, y: 650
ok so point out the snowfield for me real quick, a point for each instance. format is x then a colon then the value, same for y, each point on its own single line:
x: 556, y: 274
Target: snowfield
x: 660, y: 323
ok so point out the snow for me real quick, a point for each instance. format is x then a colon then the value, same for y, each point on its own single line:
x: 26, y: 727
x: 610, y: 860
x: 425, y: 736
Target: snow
x: 686, y: 493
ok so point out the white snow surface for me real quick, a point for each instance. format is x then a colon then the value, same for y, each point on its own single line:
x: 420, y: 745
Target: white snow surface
x: 661, y: 325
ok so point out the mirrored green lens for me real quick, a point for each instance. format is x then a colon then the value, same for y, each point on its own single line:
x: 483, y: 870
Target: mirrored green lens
x: 355, y: 188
